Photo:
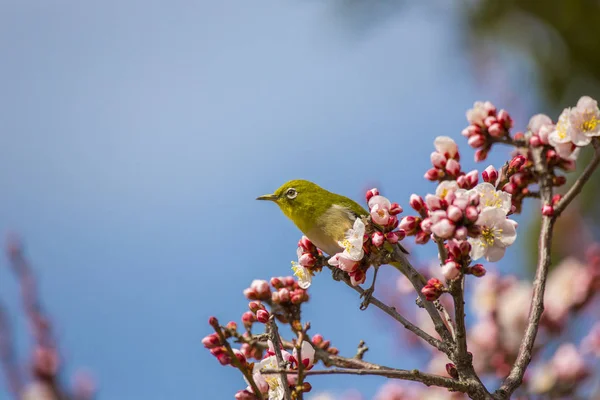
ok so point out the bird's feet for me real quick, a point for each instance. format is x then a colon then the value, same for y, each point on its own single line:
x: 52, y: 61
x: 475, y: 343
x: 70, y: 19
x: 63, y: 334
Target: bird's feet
x: 367, y: 294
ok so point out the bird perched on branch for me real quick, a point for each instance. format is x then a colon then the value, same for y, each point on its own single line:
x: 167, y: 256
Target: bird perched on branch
x: 324, y: 217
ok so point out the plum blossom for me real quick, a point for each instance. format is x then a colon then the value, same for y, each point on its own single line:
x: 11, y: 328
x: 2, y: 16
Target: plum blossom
x: 480, y: 111
x: 567, y: 285
x: 270, y: 384
x: 568, y: 364
x: 446, y: 146
x: 560, y: 139
x: 353, y: 243
x: 303, y: 274
x: 307, y: 353
x: 492, y: 198
x: 584, y: 121
x: 497, y: 233
x: 380, y: 210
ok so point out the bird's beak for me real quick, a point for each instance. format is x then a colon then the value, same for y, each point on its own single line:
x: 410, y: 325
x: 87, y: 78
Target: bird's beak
x: 270, y: 197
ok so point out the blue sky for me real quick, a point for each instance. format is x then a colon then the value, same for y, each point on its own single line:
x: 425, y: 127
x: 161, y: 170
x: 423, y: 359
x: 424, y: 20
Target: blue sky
x: 134, y: 137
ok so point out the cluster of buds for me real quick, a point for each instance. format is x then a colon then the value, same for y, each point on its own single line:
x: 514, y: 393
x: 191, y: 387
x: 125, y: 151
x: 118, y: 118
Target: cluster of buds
x: 384, y: 215
x: 446, y: 164
x: 486, y: 126
x: 309, y: 261
x: 287, y: 291
x: 258, y: 290
x: 458, y: 256
x: 320, y: 343
x: 433, y: 289
x: 216, y: 346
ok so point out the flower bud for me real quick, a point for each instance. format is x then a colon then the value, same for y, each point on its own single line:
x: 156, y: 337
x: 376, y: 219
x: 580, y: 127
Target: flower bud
x: 276, y: 283
x: 306, y: 244
x: 224, y: 359
x: 510, y: 188
x: 450, y: 270
x: 250, y: 294
x: 451, y: 370
x: 489, y: 121
x: 465, y: 248
x: 559, y: 180
x: 377, y: 239
x: 288, y: 281
x: 275, y: 297
x: 461, y: 233
x: 297, y: 298
x: 395, y: 209
x: 254, y: 306
x: 211, y: 341
x: 481, y: 154
x: 438, y: 160
x: 477, y: 270
x: 556, y: 198
x: 240, y: 356
x: 472, y: 178
x: 490, y: 174
x: 370, y: 193
x: 471, y: 213
x: 453, y: 167
x: 433, y: 202
x: 505, y: 119
x: 454, y: 213
x: 517, y: 162
x: 231, y: 325
x: 245, y: 395
x: 433, y: 174
x: 422, y: 237
x: 476, y: 141
x: 496, y: 130
x: 262, y: 316
x: 248, y: 318
x: 433, y: 289
x: 408, y: 224
x: 213, y: 321
x: 284, y: 295
x: 307, y: 260
x: 416, y: 202
x: 535, y: 141
x: 519, y: 136
x: 547, y: 210
x: 317, y: 339
x: 306, y: 387
x: 394, y: 237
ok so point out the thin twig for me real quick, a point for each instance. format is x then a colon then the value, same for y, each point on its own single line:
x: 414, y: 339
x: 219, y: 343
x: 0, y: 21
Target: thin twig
x: 274, y: 336
x: 235, y: 361
x: 361, y: 350
x: 515, y: 377
x: 409, y: 375
x: 391, y: 311
x: 301, y: 372
x: 581, y: 181
x: 462, y: 358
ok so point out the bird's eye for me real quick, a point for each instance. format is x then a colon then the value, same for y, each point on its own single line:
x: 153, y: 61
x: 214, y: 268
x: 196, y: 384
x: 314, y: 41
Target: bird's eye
x: 291, y: 193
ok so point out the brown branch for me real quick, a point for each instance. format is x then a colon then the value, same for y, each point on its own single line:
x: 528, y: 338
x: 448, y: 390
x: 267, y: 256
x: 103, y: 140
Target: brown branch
x: 361, y: 350
x: 391, y: 311
x: 581, y: 181
x: 277, y: 345
x: 462, y: 357
x: 515, y: 377
x: 235, y: 361
x: 412, y: 375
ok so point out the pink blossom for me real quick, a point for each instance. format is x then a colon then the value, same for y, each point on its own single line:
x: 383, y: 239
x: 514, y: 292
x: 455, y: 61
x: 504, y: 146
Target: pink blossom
x: 568, y: 364
x: 446, y: 146
x: 450, y: 270
x: 377, y: 239
x: 453, y: 167
x: 490, y: 174
x: 443, y: 229
x: 416, y: 202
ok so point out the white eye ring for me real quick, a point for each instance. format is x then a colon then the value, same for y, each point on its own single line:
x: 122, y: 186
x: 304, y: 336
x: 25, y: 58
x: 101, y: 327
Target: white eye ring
x: 291, y: 193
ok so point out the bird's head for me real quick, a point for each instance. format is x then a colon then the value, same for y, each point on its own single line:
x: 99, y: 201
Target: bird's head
x: 300, y: 200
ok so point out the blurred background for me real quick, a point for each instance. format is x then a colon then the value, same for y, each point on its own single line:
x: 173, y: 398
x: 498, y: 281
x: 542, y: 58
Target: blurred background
x: 135, y: 135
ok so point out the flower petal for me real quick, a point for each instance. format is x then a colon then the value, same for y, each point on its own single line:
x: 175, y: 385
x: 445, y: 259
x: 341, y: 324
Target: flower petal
x: 494, y: 253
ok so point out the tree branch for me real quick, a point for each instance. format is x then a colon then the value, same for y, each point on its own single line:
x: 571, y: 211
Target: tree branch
x: 391, y: 311
x: 412, y: 375
x: 581, y: 181
x: 277, y: 345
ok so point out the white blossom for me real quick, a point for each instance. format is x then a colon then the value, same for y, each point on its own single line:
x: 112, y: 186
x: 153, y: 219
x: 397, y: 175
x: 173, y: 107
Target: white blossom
x: 497, y: 233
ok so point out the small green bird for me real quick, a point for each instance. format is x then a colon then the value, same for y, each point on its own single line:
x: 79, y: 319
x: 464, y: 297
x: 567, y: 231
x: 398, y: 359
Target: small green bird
x: 323, y: 216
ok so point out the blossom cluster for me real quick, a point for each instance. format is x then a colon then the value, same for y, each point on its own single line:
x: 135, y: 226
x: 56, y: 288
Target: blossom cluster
x: 486, y: 126
x: 446, y: 164
x: 369, y: 240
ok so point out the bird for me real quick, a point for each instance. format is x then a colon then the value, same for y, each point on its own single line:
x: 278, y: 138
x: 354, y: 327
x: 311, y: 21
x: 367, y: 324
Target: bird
x: 324, y: 217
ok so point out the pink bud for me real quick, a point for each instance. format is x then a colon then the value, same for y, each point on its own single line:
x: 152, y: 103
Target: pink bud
x: 254, y: 306
x: 450, y: 270
x: 433, y: 289
x: 451, y: 370
x: 395, y: 236
x: 556, y: 198
x: 289, y: 281
x: 306, y: 245
x: 284, y: 295
x: 213, y: 321
x: 476, y: 141
x: 481, y: 154
x: 548, y: 210
x: 510, y: 188
x: 307, y: 260
x: 224, y: 359
x: 317, y: 340
x: 231, y: 325
x: 211, y: 341
x: 443, y: 228
x: 408, y: 224
x: 422, y: 237
x: 517, y: 162
x: 438, y: 160
x: 433, y: 174
x: 392, y: 222
x: 276, y: 283
x: 471, y: 130
x: 454, y: 213
x: 496, y: 130
x: 465, y: 248
x: 505, y: 119
x: 240, y: 356
x: 472, y: 178
x: 251, y: 294
x: 535, y: 141
x: 370, y: 193
x: 461, y: 233
x: 471, y: 213
x: 395, y: 209
x: 550, y: 154
x: 416, y: 202
x: 245, y: 395
x: 519, y: 136
x: 478, y: 270
x: 490, y: 174
x: 559, y: 180
x: 453, y: 167
x: 426, y: 225
x: 377, y: 239
x: 262, y: 316
x: 489, y: 121
x: 248, y: 318
x: 433, y: 202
